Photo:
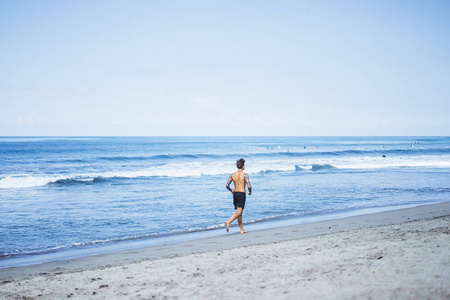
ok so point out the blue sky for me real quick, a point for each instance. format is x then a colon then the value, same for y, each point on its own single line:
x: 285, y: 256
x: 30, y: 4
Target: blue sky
x: 238, y: 68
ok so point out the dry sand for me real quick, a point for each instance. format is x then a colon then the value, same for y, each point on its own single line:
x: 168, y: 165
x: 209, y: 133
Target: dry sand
x: 407, y: 260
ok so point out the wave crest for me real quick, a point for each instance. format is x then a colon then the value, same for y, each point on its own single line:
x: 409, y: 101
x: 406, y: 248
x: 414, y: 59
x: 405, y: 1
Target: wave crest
x: 219, y: 168
x: 314, y: 167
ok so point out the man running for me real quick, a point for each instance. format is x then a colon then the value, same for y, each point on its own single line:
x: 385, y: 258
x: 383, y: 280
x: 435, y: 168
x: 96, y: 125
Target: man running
x: 240, y: 179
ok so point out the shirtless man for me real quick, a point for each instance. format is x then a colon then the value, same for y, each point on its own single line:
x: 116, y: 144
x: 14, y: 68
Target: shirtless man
x: 240, y: 179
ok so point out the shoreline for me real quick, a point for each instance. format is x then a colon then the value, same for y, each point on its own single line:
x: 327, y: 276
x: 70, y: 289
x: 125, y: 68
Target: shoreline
x: 227, y: 241
x: 26, y: 260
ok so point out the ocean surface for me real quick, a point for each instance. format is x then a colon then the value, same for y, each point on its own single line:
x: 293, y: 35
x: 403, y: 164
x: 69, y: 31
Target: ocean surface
x: 69, y: 197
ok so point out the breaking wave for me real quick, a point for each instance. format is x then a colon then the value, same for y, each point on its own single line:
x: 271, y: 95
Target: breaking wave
x: 314, y: 167
x: 218, y: 167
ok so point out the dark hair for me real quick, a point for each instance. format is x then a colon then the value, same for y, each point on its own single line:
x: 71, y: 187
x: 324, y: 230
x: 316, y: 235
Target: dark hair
x: 240, y: 163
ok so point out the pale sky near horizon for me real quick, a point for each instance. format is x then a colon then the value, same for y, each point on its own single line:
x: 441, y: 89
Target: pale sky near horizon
x: 234, y: 68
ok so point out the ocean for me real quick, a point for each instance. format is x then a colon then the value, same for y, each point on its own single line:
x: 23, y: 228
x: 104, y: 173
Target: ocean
x: 66, y: 197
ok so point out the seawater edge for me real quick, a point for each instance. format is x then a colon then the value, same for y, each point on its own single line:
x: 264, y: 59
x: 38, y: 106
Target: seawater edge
x: 81, y: 252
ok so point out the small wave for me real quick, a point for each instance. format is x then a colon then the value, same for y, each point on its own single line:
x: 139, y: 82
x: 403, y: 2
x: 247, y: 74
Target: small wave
x: 16, y: 253
x: 54, y: 249
x: 88, y: 180
x: 175, y: 171
x: 268, y: 171
x: 424, y: 190
x: 298, y: 168
x: 258, y: 155
x: 353, y: 152
x: 322, y: 167
x: 161, y: 157
x: 17, y: 182
x: 314, y: 167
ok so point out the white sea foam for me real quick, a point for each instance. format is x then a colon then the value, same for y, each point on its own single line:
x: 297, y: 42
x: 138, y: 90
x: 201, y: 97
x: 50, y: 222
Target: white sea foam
x: 21, y: 181
x: 394, y: 162
x: 197, y: 169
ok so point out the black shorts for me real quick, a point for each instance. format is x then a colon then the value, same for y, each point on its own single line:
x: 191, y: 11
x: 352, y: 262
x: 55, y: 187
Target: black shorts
x: 239, y: 199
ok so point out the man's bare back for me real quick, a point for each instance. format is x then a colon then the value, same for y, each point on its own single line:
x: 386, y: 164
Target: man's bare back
x: 240, y: 179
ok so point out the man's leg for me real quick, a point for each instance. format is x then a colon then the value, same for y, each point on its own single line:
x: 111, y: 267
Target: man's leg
x: 240, y: 224
x: 236, y: 215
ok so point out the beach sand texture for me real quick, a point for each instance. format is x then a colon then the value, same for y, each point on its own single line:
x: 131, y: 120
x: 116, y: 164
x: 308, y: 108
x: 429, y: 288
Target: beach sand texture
x: 408, y: 260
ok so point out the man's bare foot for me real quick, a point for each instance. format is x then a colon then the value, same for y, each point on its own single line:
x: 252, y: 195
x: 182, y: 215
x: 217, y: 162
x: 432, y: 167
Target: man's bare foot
x: 243, y: 231
x: 228, y: 226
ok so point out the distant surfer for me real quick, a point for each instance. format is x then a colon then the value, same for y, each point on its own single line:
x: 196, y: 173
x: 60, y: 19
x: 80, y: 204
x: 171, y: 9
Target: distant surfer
x: 240, y: 179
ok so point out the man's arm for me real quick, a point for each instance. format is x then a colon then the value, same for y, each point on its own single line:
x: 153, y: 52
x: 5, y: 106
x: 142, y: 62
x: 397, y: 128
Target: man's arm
x: 247, y: 181
x: 229, y: 182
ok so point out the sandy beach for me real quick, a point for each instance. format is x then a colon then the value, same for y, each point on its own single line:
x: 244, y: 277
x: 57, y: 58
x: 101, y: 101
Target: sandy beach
x: 401, y: 254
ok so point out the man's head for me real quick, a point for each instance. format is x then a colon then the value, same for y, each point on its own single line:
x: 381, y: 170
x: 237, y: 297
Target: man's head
x: 240, y: 164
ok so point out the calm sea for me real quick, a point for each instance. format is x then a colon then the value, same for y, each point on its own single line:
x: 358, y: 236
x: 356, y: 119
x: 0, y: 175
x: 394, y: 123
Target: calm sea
x: 68, y: 197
